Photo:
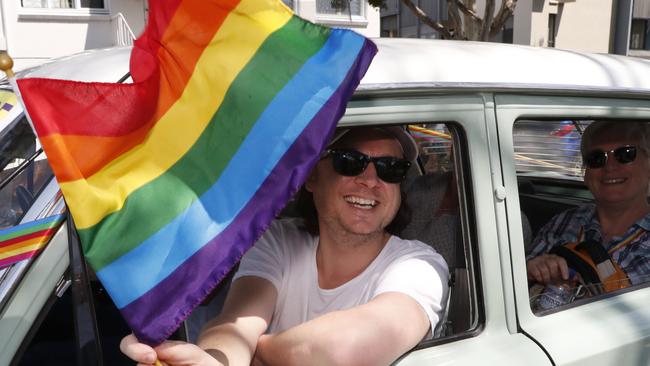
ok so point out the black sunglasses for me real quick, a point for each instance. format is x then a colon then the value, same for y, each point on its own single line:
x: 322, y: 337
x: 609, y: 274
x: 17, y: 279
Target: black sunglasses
x: 351, y: 163
x: 598, y: 158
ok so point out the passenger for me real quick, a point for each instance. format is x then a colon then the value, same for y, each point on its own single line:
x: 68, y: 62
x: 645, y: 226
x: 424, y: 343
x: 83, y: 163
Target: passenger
x: 613, y: 232
x: 326, y: 289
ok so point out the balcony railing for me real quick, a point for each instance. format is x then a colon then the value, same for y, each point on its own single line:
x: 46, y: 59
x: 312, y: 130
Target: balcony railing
x: 122, y: 33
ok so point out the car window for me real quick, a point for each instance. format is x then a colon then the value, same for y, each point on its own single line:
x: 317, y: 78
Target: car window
x: 563, y: 215
x: 24, y: 172
x: 437, y: 196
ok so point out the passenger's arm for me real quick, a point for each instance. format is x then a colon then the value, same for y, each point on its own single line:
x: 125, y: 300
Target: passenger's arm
x: 375, y: 333
x: 232, y: 337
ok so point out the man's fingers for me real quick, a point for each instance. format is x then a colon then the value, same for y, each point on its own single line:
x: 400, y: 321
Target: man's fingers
x: 137, y: 351
x: 182, y: 353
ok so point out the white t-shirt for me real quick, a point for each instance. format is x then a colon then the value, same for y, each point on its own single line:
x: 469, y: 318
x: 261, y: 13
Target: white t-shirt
x: 286, y: 256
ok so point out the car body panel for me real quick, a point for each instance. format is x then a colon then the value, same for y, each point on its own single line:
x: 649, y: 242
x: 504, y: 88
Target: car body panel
x: 35, y: 288
x: 617, y: 328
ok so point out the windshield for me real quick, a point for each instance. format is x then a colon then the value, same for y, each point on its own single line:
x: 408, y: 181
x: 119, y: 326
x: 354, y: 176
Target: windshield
x: 23, y: 171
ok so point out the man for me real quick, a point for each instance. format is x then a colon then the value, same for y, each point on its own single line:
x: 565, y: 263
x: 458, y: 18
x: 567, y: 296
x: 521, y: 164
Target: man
x: 352, y: 295
x: 617, y: 172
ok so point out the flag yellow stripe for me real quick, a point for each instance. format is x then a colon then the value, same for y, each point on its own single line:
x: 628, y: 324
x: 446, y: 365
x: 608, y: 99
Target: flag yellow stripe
x: 101, y: 194
x: 8, y: 252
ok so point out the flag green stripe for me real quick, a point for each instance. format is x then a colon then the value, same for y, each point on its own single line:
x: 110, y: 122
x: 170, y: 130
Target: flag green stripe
x: 28, y: 230
x: 172, y: 193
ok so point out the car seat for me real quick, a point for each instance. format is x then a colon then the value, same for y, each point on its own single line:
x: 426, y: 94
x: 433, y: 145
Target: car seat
x: 435, y: 220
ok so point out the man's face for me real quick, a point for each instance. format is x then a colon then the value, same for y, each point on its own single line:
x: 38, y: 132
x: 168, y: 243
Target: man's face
x: 362, y: 204
x: 616, y: 183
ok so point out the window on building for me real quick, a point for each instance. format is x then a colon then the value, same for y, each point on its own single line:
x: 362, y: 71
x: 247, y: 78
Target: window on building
x: 640, y: 34
x: 552, y: 29
x: 340, y: 8
x: 63, y: 4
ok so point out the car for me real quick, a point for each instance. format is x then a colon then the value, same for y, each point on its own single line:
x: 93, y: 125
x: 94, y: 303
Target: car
x: 498, y: 127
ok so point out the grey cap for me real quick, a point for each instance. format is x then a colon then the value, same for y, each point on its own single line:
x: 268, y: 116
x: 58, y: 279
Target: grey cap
x: 409, y: 147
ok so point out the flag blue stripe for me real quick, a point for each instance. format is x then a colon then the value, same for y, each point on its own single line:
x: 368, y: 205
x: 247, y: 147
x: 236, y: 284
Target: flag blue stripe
x: 298, y: 102
x: 30, y: 224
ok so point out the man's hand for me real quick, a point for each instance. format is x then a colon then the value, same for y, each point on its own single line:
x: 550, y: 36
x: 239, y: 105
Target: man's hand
x: 547, y: 268
x: 172, y: 353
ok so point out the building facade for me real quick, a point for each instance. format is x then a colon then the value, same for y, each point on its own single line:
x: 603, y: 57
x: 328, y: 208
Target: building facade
x: 601, y: 26
x: 34, y: 31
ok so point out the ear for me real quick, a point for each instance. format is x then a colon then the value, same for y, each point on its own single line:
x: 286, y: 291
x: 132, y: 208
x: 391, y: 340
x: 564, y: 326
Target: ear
x: 311, y: 180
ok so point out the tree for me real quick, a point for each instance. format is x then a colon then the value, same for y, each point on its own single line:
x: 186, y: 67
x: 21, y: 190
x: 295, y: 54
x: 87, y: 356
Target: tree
x: 464, y: 23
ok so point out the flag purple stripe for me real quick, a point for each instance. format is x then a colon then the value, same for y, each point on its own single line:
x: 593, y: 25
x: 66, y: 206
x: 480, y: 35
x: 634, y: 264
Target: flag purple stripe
x: 221, y: 254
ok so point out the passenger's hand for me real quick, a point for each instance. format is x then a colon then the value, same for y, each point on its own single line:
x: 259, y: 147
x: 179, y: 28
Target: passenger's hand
x: 547, y: 268
x: 170, y: 353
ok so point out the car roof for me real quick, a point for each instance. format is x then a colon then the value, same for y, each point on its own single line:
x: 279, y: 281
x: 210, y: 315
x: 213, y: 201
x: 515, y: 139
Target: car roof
x: 424, y: 64
x: 418, y: 63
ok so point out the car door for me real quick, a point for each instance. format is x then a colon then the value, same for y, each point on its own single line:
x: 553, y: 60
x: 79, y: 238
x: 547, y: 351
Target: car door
x: 603, y: 330
x: 488, y: 334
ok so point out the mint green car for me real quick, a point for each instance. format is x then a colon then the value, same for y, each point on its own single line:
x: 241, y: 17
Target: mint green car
x: 498, y: 128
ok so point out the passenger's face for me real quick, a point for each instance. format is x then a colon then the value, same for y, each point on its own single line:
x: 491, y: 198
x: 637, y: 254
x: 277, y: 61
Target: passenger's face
x: 363, y: 204
x: 616, y: 183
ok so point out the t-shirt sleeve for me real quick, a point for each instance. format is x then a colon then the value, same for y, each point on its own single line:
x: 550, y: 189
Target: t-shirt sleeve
x: 424, y: 278
x: 265, y: 259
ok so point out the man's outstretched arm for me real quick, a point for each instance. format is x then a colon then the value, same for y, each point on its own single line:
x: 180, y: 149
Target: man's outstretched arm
x: 229, y: 340
x: 232, y: 336
x: 375, y: 333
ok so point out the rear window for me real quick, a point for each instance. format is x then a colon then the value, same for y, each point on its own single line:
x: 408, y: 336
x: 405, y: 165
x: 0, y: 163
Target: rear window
x: 549, y: 148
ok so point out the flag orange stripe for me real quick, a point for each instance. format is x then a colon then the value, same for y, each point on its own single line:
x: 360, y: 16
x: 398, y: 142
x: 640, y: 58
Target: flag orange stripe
x: 18, y: 247
x: 22, y: 238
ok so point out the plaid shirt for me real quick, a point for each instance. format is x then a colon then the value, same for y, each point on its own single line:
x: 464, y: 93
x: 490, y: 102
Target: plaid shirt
x: 633, y: 258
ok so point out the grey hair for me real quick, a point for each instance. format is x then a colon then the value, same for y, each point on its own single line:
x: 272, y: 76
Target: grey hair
x: 621, y: 128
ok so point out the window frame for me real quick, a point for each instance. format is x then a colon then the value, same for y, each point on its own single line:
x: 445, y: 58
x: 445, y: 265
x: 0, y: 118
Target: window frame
x: 557, y: 328
x: 343, y: 18
x: 77, y: 12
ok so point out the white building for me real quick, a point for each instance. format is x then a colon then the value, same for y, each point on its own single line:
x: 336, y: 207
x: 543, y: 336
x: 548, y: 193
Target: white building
x: 34, y: 31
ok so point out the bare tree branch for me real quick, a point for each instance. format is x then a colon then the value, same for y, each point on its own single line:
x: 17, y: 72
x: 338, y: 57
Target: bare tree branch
x: 471, y: 13
x: 454, y: 17
x: 505, y: 12
x: 424, y: 18
x: 487, y: 20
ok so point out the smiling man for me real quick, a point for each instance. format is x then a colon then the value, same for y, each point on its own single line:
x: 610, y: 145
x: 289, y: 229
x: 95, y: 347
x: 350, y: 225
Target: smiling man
x: 617, y: 172
x: 335, y: 287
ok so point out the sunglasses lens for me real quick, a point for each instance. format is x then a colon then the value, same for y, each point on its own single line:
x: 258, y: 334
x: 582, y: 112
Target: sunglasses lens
x: 392, y: 170
x: 595, y: 159
x: 351, y: 163
x: 625, y: 154
x: 348, y: 163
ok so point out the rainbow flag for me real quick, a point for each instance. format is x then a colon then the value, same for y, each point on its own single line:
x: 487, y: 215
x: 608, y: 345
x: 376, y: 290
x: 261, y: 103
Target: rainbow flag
x: 26, y: 240
x: 172, y: 178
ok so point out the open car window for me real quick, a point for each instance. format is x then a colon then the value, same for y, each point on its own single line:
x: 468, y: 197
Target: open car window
x: 563, y: 216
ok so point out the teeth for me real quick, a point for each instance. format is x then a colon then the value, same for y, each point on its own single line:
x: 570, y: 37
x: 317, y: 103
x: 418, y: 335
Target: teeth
x: 360, y: 201
x: 614, y: 180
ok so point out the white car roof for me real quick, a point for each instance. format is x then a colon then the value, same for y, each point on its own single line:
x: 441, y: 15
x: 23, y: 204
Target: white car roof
x: 416, y: 63
x: 422, y: 63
